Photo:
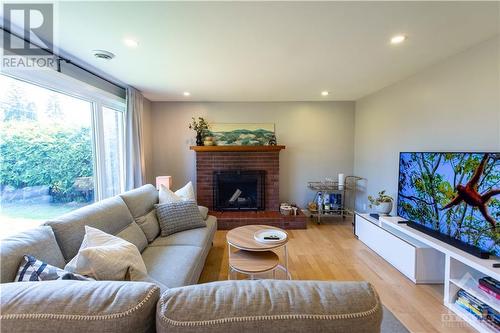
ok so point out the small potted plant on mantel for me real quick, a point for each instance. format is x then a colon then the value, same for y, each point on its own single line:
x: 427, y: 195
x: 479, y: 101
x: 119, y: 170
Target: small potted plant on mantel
x: 201, y: 127
x: 382, y: 203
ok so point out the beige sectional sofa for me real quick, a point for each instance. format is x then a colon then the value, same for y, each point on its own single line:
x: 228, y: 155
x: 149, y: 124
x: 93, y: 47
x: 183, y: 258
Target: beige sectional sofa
x: 176, y: 262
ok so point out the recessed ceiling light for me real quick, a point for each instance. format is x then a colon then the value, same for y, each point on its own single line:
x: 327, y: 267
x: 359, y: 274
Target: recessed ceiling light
x: 130, y: 42
x: 103, y: 54
x: 324, y: 93
x: 187, y: 93
x: 398, y: 39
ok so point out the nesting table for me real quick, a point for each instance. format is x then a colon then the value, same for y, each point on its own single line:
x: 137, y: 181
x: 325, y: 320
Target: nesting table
x: 250, y: 257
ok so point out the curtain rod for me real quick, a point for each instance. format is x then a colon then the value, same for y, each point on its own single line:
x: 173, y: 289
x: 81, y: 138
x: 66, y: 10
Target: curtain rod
x: 59, y: 58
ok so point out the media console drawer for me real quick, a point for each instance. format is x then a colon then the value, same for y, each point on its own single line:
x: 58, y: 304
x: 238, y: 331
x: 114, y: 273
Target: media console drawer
x: 415, y: 260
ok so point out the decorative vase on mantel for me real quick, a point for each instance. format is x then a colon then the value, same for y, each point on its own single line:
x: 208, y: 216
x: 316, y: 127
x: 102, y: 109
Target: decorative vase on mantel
x: 199, y: 139
x: 201, y: 128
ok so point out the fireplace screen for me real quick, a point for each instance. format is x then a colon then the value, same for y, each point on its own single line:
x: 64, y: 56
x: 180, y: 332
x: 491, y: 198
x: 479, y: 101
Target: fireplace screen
x: 239, y: 190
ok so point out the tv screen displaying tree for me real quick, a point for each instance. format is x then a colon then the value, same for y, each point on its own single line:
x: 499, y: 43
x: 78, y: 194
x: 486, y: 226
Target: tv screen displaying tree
x: 455, y: 194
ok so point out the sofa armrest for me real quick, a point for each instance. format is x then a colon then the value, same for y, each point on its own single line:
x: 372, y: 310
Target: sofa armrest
x: 78, y: 306
x: 270, y: 305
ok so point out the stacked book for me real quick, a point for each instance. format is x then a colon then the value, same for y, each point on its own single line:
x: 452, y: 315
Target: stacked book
x: 478, y: 309
x: 490, y: 286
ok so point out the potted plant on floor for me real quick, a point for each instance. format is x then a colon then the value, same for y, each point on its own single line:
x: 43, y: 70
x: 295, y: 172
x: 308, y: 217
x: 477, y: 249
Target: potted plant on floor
x: 201, y: 127
x: 382, y: 203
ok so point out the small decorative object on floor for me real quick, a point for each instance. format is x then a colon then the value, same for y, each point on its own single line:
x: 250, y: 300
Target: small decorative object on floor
x: 382, y: 203
x: 201, y: 128
x: 270, y: 236
x: 272, y: 140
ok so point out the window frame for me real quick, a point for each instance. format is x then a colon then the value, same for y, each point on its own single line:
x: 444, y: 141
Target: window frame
x: 98, y: 99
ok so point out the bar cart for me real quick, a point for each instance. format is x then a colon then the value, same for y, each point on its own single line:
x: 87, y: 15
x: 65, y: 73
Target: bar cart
x: 330, y: 197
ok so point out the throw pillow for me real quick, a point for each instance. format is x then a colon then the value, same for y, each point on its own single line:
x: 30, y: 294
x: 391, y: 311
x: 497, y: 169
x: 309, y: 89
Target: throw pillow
x: 167, y: 196
x: 187, y: 192
x: 32, y: 269
x: 98, y: 256
x: 149, y: 225
x: 179, y: 216
x: 183, y: 194
x: 203, y: 212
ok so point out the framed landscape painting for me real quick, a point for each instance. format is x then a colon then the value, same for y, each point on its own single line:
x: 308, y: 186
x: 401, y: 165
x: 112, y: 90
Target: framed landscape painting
x: 226, y: 134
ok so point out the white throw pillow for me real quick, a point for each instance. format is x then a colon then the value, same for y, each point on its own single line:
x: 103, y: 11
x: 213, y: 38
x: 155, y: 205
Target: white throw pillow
x: 185, y: 193
x: 167, y: 196
x: 106, y: 257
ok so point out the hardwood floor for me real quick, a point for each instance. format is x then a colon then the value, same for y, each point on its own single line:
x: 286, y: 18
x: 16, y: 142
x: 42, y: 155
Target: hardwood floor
x: 331, y: 252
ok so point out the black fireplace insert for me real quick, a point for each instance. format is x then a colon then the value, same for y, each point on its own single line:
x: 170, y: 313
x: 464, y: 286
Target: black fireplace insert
x: 239, y: 190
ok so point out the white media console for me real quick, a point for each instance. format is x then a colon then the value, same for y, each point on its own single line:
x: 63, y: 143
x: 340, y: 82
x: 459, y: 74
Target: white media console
x: 425, y: 259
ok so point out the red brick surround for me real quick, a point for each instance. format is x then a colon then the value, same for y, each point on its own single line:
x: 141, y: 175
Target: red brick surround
x: 230, y: 220
x: 209, y: 161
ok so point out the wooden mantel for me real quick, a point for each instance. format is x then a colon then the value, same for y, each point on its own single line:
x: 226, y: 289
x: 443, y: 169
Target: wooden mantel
x: 236, y: 148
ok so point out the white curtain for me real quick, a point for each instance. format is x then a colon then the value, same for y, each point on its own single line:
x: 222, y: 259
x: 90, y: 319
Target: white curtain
x: 134, y: 150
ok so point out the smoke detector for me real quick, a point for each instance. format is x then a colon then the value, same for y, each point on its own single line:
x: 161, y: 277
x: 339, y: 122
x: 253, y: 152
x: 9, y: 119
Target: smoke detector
x: 103, y: 54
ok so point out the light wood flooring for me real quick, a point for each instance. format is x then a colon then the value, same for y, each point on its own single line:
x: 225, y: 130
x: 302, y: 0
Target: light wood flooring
x: 330, y: 251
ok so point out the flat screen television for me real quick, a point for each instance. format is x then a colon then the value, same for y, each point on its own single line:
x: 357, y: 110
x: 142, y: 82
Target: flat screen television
x: 454, y: 197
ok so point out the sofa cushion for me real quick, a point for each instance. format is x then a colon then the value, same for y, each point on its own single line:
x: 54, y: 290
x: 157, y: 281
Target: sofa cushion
x: 39, y: 242
x: 195, y: 237
x: 270, y: 305
x: 149, y: 225
x: 141, y: 203
x: 174, y: 266
x: 136, y: 275
x: 178, y: 216
x: 109, y: 215
x: 134, y: 234
x: 78, y: 306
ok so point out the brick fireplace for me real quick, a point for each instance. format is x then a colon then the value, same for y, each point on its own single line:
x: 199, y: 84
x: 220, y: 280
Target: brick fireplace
x: 208, y: 162
x: 213, y: 159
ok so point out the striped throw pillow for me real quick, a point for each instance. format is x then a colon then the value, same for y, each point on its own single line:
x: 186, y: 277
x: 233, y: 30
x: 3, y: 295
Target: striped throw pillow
x: 32, y: 269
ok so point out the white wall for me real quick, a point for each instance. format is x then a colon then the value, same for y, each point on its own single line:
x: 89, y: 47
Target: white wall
x: 451, y: 106
x: 318, y: 136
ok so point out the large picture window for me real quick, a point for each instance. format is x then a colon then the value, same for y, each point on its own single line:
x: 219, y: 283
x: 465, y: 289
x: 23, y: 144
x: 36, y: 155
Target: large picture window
x: 58, y: 153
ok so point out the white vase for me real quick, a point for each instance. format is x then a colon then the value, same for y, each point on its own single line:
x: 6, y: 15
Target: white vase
x: 383, y: 208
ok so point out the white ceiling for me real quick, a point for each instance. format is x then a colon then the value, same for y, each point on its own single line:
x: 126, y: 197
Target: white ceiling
x: 269, y: 51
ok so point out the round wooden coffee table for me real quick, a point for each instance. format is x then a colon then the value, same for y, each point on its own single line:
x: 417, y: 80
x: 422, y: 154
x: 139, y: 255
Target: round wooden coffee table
x: 252, y: 257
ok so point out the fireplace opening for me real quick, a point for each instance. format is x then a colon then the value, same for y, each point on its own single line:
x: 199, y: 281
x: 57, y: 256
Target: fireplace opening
x: 239, y: 190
